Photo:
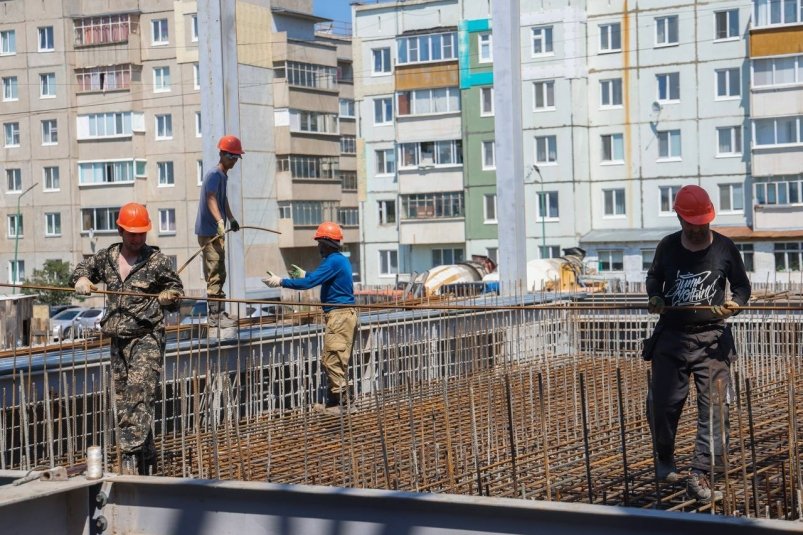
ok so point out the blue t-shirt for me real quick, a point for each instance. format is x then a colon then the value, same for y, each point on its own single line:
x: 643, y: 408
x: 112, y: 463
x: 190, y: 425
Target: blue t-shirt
x: 214, y: 182
x: 334, y: 277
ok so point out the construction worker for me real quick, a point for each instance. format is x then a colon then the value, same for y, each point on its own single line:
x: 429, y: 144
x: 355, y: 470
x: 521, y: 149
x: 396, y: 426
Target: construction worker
x: 690, y: 269
x: 135, y: 326
x: 334, y: 276
x: 210, y: 227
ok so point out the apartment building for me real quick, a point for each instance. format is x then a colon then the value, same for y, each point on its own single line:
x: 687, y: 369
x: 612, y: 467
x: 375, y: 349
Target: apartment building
x: 102, y: 104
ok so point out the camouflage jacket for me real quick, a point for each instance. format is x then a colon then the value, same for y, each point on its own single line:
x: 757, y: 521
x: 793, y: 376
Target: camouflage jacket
x: 128, y: 316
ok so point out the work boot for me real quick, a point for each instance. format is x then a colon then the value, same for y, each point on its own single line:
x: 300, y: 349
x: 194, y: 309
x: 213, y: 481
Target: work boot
x: 129, y: 465
x: 666, y: 471
x: 699, y: 488
x: 219, y: 317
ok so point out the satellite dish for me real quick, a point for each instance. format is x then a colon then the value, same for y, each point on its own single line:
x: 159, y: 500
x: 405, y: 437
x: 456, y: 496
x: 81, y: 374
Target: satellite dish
x: 656, y: 107
x: 92, y: 233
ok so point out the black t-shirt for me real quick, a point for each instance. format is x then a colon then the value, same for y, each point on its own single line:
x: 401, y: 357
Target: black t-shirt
x: 688, y: 278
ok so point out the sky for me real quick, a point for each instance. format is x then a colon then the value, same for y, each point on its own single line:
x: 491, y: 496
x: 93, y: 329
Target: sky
x: 333, y: 9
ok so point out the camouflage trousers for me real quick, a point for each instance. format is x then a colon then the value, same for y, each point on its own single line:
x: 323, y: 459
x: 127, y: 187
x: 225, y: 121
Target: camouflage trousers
x: 136, y: 364
x: 338, y: 339
x: 214, y: 264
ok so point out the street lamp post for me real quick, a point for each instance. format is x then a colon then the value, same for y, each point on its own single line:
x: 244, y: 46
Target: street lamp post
x: 17, y: 236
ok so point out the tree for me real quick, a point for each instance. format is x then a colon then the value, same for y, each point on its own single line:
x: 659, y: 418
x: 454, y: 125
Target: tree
x: 53, y: 273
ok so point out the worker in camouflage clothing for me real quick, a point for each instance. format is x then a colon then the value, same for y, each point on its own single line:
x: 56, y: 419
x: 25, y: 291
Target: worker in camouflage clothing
x: 136, y: 328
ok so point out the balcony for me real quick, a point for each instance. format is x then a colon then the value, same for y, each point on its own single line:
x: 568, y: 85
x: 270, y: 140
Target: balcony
x: 777, y: 216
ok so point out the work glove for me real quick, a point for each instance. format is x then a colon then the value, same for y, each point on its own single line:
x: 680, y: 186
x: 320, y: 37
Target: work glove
x: 274, y: 281
x: 169, y: 297
x: 725, y: 310
x: 221, y: 227
x: 656, y: 305
x: 84, y: 286
x: 234, y: 225
x: 296, y: 272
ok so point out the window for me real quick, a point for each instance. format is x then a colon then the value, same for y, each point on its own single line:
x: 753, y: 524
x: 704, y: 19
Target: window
x: 772, y: 12
x: 159, y: 35
x: 381, y: 60
x: 667, y: 199
x: 99, y: 219
x: 647, y: 256
x: 8, y: 43
x: 666, y: 30
x: 16, y: 271
x: 110, y: 172
x: 613, y: 148
x: 788, y: 256
x: 53, y: 224
x: 427, y: 48
x: 196, y: 76
x: 387, y: 212
x: 312, y: 213
x: 347, y: 108
x: 199, y: 172
x: 486, y: 101
x: 549, y: 251
x: 348, y: 180
x: 544, y: 95
x: 428, y: 101
x: 431, y: 153
x: 385, y: 162
x: 485, y: 46
x: 547, y: 206
x: 489, y: 208
x: 668, y: 87
x: 383, y: 111
x: 443, y: 257
x: 15, y: 226
x: 729, y: 141
x: 669, y: 145
x: 161, y: 79
x: 610, y: 93
x: 746, y: 250
x: 47, y: 85
x: 546, y: 149
x: 348, y: 145
x: 285, y: 210
x: 777, y: 71
x: 488, y: 158
x: 14, y: 180
x: 614, y: 202
x: 610, y: 37
x: 313, y: 122
x: 166, y: 177
x: 194, y: 28
x: 198, y: 125
x: 10, y: 88
x: 164, y: 126
x: 12, y: 132
x: 345, y: 72
x: 309, y: 75
x: 777, y: 131
x: 46, y: 43
x: 726, y: 24
x: 542, y: 40
x: 610, y: 260
x: 111, y: 124
x: 107, y: 78
x: 432, y: 205
x: 728, y: 83
x: 167, y: 221
x: 388, y: 262
x: 348, y: 217
x: 50, y: 134
x: 781, y: 190
x: 731, y: 198
x: 50, y: 177
x: 310, y: 167
x: 102, y: 30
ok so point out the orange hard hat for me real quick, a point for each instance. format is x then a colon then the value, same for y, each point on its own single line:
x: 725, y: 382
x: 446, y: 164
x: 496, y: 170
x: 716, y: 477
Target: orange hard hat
x: 329, y: 230
x: 230, y: 144
x: 133, y: 217
x: 694, y: 206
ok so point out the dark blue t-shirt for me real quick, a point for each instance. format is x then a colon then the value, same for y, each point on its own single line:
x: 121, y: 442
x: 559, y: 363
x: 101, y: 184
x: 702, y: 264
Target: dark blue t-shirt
x: 214, y: 182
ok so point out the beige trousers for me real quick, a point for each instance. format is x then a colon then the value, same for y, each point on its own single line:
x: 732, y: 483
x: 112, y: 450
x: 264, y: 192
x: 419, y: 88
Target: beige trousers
x: 214, y: 256
x: 338, y: 339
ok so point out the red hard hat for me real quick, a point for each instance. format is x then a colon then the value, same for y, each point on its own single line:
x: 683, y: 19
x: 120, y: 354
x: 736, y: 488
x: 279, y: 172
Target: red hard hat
x: 693, y: 204
x: 330, y: 230
x: 134, y: 217
x: 230, y: 144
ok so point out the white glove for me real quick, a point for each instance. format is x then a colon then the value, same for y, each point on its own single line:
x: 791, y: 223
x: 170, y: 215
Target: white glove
x: 221, y: 227
x: 274, y: 281
x: 84, y: 286
x: 725, y: 310
x: 296, y: 272
x: 169, y: 297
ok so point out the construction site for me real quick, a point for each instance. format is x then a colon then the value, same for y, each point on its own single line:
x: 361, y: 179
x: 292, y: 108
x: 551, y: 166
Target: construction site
x: 538, y: 397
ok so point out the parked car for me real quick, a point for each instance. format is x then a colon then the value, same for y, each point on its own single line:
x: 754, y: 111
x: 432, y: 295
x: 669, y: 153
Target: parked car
x: 55, y: 309
x: 75, y: 322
